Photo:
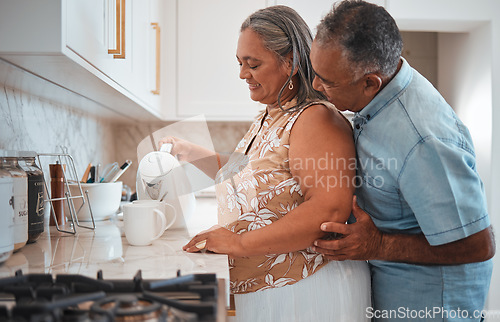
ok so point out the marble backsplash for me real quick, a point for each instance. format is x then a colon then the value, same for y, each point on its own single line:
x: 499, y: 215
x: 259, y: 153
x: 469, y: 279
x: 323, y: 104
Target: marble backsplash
x: 28, y: 122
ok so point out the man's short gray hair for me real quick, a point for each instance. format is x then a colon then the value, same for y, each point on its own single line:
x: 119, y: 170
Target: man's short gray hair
x: 367, y: 35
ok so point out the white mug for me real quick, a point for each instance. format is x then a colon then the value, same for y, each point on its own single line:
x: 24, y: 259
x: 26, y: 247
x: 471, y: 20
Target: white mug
x: 164, y: 207
x: 140, y: 223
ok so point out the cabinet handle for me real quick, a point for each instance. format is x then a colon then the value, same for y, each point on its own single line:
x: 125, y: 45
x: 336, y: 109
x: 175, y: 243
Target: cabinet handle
x: 158, y: 58
x: 119, y: 51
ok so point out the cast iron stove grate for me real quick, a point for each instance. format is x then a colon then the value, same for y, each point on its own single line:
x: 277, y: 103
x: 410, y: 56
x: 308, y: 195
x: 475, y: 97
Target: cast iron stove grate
x: 67, y: 297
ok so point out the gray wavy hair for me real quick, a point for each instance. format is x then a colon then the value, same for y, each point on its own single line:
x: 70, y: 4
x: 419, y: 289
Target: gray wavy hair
x: 283, y: 31
x: 369, y: 36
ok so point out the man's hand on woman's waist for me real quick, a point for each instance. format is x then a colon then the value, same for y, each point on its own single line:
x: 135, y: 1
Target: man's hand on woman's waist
x: 362, y: 240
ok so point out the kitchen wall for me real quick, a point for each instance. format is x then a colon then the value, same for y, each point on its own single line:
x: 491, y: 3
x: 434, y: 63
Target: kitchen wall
x: 421, y: 51
x: 30, y: 123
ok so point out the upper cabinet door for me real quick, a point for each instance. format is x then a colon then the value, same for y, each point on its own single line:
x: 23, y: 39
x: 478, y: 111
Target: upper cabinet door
x: 147, y: 31
x: 121, y: 38
x: 87, y: 31
x: 208, y: 73
x: 102, y: 50
x: 100, y: 32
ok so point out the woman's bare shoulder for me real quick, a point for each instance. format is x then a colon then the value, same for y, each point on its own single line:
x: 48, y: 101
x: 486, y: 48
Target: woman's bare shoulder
x: 321, y: 117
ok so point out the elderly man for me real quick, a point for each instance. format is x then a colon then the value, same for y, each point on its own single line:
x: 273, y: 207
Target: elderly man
x: 422, y: 220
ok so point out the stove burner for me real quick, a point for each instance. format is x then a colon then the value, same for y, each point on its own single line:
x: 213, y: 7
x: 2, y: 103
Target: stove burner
x: 77, y: 315
x: 127, y: 306
x: 40, y: 297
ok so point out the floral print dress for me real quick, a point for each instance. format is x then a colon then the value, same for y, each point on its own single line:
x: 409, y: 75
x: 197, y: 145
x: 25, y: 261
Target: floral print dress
x: 256, y: 188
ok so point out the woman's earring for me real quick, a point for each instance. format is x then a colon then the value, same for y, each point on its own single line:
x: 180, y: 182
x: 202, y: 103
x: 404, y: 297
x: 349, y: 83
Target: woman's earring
x: 290, y: 85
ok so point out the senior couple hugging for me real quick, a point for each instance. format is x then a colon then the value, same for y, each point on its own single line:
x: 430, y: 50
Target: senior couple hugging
x: 407, y: 233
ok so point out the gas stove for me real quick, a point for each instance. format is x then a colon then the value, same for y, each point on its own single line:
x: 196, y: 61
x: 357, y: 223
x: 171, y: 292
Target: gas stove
x: 66, y: 297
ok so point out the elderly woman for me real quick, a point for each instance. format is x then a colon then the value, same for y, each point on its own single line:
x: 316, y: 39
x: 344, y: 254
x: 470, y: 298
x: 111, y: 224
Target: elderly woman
x: 292, y: 171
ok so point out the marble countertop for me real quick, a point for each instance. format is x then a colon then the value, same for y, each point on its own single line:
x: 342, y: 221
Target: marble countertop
x: 106, y: 249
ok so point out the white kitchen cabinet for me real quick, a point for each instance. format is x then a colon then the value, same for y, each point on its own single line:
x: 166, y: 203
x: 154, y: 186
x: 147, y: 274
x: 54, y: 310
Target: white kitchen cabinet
x: 149, y: 43
x: 69, y: 43
x: 207, y: 75
x: 92, y: 33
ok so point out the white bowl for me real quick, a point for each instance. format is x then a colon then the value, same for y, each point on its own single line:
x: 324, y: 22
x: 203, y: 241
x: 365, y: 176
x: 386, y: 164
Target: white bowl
x: 104, y: 200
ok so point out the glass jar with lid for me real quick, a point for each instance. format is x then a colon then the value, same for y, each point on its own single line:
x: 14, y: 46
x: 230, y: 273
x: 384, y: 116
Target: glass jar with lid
x: 8, y: 161
x: 36, y: 194
x: 7, y: 214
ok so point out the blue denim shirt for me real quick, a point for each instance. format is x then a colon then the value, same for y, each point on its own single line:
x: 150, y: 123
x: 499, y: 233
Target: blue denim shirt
x: 418, y: 174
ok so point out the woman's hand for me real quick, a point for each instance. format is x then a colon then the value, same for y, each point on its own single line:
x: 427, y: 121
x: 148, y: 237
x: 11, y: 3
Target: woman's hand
x: 204, y: 159
x: 218, y: 240
x: 182, y: 149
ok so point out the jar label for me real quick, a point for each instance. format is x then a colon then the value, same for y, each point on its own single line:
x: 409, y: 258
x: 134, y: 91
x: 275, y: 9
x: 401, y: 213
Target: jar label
x: 35, y: 203
x: 7, y: 217
x: 20, y: 209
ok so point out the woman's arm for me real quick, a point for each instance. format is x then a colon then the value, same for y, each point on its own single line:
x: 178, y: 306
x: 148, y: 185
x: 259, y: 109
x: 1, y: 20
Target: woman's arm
x: 204, y: 159
x: 322, y: 159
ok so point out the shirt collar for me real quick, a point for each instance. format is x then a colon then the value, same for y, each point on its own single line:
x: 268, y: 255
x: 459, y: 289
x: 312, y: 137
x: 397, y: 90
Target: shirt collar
x: 387, y: 95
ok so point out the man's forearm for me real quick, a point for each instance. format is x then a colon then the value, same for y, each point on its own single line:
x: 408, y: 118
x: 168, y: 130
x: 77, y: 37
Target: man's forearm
x: 362, y: 240
x: 416, y: 250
